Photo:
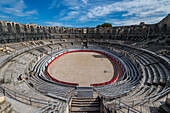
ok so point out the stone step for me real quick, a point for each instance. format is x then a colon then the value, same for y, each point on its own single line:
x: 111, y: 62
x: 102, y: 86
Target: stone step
x: 85, y: 102
x: 145, y: 109
x: 87, y: 105
x: 82, y: 98
x: 85, y: 109
x: 85, y: 112
x: 5, y: 107
x: 9, y: 110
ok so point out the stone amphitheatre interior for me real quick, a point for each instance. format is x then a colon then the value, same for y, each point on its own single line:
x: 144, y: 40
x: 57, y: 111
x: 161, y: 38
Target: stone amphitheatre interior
x: 79, y: 67
x: 120, y: 69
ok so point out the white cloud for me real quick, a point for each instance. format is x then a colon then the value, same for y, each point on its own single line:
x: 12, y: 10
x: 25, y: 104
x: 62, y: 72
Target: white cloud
x: 141, y: 8
x: 133, y: 11
x: 33, y: 12
x: 134, y: 20
x: 16, y: 7
x: 83, y: 18
x: 56, y: 24
x: 70, y: 15
x: 103, y: 10
x: 75, y: 8
x: 85, y: 1
x: 53, y: 4
x: 2, y: 16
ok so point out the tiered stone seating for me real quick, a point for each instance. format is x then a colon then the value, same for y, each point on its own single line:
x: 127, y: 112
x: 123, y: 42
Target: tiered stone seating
x: 154, y: 80
x: 133, y: 77
x: 39, y: 80
x: 42, y: 84
x: 21, y: 62
x: 146, y: 78
x: 55, y: 47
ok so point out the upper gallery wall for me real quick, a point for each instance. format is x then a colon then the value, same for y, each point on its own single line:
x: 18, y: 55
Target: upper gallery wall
x: 16, y: 32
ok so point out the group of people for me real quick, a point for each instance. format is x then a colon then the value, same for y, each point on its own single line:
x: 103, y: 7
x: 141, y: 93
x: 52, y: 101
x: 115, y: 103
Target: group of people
x: 21, y: 77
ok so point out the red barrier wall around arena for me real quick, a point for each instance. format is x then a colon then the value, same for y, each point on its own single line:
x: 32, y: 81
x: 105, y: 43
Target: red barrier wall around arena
x: 76, y: 84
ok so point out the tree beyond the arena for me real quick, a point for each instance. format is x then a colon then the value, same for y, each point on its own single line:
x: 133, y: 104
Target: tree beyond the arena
x: 105, y: 25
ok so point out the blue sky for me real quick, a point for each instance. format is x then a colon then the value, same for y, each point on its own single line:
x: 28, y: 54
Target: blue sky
x: 84, y: 13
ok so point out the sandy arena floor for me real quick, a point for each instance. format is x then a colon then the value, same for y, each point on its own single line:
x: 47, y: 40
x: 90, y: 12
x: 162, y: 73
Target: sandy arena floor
x: 84, y: 68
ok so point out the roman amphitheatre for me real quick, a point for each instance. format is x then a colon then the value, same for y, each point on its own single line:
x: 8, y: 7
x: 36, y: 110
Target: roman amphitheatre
x: 121, y: 69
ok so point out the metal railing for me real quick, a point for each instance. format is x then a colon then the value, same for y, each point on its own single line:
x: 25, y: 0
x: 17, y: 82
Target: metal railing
x: 119, y: 104
x: 24, y: 98
x: 67, y: 103
x: 47, y: 107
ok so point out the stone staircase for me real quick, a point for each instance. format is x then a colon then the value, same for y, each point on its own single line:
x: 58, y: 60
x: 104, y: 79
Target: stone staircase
x: 5, y: 107
x: 85, y: 105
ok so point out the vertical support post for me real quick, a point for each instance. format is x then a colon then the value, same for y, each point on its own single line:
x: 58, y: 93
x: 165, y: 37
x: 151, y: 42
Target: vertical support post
x: 30, y: 101
x: 132, y: 103
x: 119, y: 103
x: 15, y: 95
x: 115, y: 104
x: 140, y: 108
x: 128, y: 109
x: 148, y: 33
x: 4, y: 92
x: 101, y: 104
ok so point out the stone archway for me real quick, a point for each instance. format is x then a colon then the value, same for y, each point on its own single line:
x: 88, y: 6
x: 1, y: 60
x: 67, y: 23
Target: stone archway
x: 9, y: 27
x: 164, y: 28
x: 18, y: 28
x: 44, y: 30
x: 25, y: 28
x: 32, y: 29
x: 38, y: 29
x: 49, y: 30
x: 1, y: 27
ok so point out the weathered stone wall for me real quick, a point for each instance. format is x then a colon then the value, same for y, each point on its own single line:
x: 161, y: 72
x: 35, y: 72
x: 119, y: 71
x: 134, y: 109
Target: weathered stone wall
x: 16, y: 32
x: 164, y: 24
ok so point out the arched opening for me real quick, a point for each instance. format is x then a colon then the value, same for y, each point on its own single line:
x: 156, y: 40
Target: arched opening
x: 55, y: 31
x: 32, y: 29
x: 87, y: 31
x: 49, y: 29
x: 59, y: 30
x: 80, y: 31
x: 52, y: 30
x: 156, y: 29
x: 118, y: 31
x: 131, y: 30
x: 1, y: 29
x: 17, y: 28
x: 164, y: 28
x: 25, y: 28
x: 43, y: 29
x: 38, y: 29
x: 108, y: 31
x: 9, y: 27
x: 12, y: 24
